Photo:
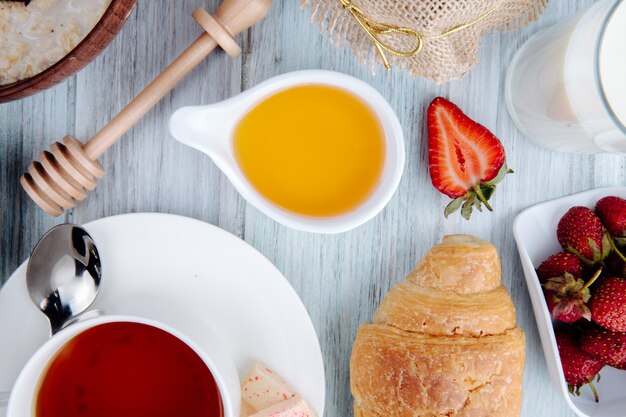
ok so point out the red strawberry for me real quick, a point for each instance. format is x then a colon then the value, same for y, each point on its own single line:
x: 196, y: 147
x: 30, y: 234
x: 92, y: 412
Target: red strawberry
x: 466, y: 160
x: 608, y: 305
x: 558, y: 264
x: 621, y: 366
x: 608, y: 346
x: 581, y: 233
x: 612, y: 212
x: 579, y: 368
x: 567, y: 297
x: 566, y: 310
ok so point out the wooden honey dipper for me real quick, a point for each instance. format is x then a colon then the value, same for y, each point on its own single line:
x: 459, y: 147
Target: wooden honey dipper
x: 64, y: 175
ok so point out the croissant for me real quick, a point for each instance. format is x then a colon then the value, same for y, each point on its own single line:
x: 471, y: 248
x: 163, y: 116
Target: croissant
x: 444, y: 342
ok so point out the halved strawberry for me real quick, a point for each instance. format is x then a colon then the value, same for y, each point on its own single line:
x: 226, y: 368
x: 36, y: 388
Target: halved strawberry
x: 465, y: 160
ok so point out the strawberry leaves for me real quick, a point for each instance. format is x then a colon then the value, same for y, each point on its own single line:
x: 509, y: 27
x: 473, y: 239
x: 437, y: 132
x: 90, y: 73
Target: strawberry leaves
x: 598, y: 254
x: 477, y: 196
x: 589, y: 240
x: 581, y: 233
x: 570, y: 296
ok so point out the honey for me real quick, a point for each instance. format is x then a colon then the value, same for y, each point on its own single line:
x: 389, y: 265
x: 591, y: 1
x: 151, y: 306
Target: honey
x: 314, y: 150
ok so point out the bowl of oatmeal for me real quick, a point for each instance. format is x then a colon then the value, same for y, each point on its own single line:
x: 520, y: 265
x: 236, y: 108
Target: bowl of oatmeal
x: 45, y: 41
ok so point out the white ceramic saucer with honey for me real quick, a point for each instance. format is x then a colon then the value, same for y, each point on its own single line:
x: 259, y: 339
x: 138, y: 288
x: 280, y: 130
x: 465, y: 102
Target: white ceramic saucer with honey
x: 213, y: 129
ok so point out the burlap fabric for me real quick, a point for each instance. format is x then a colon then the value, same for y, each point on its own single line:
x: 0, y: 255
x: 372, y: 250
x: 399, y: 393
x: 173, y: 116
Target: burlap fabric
x: 440, y: 59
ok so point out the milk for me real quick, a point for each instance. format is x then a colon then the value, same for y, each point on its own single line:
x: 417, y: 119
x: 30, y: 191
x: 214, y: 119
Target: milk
x: 565, y: 88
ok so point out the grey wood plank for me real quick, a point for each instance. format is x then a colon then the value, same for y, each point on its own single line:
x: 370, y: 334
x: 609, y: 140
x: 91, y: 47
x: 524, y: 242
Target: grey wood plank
x: 341, y: 278
x: 148, y: 170
x: 26, y: 128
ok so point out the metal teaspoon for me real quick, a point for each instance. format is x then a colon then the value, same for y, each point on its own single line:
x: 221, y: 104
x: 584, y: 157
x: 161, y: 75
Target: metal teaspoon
x: 63, y: 276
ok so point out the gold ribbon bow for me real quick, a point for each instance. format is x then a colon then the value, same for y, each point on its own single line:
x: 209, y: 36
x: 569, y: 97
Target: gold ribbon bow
x: 375, y: 29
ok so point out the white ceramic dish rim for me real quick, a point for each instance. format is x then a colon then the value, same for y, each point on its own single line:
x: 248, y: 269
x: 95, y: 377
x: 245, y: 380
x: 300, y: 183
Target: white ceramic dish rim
x: 21, y: 322
x: 217, y: 361
x: 553, y: 210
x: 193, y: 126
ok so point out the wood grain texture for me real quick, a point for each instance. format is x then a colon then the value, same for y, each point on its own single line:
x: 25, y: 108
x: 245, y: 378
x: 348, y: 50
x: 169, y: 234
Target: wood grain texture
x: 342, y: 278
x: 64, y: 175
x: 26, y: 127
x: 94, y: 43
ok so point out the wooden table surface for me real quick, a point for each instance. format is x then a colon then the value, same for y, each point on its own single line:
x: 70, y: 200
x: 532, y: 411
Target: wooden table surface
x: 340, y: 278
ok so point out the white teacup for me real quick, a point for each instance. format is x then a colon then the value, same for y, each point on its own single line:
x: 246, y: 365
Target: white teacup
x: 193, y: 333
x: 210, y: 130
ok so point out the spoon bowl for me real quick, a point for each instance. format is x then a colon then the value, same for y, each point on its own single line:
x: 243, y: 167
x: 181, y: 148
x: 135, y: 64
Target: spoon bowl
x: 63, y: 274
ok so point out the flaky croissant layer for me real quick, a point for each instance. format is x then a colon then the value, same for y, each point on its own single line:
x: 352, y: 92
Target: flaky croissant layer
x: 444, y: 342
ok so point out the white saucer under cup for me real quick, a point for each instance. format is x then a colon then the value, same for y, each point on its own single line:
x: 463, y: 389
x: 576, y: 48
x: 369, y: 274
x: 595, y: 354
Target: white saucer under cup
x: 193, y: 267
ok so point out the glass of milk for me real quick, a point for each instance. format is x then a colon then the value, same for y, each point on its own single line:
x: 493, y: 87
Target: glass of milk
x: 566, y: 86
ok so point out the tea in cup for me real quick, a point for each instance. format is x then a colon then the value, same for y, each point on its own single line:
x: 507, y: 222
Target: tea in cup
x: 127, y: 366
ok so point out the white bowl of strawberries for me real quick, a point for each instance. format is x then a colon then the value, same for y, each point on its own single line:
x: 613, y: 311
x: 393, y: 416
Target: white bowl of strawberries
x: 571, y: 251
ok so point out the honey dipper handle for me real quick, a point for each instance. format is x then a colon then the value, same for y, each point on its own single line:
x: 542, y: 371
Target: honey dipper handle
x: 234, y: 16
